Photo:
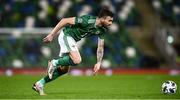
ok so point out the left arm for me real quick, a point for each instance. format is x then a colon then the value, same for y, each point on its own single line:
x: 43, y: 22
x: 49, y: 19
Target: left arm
x: 100, y: 53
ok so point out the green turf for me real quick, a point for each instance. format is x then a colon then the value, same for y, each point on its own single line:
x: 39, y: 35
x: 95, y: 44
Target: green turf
x: 82, y: 87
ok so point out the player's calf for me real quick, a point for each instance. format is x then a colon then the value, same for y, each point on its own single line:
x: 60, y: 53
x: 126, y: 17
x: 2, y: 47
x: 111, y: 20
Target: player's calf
x: 64, y: 69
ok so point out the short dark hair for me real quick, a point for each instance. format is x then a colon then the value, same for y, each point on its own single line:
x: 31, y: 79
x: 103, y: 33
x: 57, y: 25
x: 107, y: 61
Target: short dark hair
x: 105, y: 12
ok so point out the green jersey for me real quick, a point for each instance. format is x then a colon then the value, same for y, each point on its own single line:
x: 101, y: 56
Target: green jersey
x: 84, y: 26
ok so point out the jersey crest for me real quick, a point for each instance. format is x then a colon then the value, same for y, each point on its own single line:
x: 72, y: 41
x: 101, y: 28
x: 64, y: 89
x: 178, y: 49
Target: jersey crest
x: 97, y: 32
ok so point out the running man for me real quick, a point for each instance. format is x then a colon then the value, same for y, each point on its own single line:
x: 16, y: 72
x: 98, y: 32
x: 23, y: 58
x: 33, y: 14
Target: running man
x: 72, y: 30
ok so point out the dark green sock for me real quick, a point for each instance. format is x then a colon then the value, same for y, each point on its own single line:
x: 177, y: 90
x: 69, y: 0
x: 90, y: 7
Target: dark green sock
x: 57, y: 72
x: 63, y: 61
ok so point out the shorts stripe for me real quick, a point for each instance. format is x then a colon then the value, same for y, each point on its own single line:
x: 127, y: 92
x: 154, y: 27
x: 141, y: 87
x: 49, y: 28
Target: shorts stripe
x: 66, y: 43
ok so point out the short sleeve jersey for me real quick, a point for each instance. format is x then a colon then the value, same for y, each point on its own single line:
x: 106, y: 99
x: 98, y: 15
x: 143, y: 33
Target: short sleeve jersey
x: 84, y: 26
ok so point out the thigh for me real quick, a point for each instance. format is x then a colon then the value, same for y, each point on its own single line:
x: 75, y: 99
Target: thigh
x: 70, y: 44
x: 63, y: 48
x: 67, y: 44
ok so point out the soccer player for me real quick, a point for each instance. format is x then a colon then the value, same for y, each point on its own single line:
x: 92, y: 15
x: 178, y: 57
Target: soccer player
x: 72, y: 30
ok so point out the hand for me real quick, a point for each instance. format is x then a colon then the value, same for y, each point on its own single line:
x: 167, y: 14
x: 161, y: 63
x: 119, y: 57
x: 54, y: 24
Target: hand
x: 96, y: 68
x: 48, y: 39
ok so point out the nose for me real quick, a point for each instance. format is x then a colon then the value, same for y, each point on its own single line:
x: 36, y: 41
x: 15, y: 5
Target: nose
x: 110, y: 23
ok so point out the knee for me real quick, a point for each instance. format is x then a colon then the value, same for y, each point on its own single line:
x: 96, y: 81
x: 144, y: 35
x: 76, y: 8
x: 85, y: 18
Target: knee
x: 77, y: 60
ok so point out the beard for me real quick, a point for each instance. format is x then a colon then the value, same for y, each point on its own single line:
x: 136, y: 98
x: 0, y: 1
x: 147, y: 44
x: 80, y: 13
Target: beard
x: 105, y: 25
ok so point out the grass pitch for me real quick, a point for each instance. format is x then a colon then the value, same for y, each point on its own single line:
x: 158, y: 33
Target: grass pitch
x: 89, y: 87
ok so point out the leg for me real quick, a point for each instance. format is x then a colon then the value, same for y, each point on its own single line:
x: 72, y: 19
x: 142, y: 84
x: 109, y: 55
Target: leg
x: 59, y: 71
x: 75, y: 56
x: 39, y: 85
x: 72, y: 57
x: 68, y: 47
x: 54, y: 72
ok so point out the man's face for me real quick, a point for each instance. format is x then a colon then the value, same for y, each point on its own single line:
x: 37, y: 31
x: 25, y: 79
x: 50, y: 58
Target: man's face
x: 107, y: 21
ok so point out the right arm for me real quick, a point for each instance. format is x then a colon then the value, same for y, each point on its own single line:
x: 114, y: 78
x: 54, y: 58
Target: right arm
x: 61, y: 24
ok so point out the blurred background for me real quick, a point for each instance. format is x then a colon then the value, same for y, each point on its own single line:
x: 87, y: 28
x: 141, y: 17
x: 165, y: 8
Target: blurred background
x: 144, y: 34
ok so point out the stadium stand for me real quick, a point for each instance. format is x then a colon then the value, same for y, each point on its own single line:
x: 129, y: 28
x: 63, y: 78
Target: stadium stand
x: 30, y: 51
x: 169, y: 10
x: 27, y: 50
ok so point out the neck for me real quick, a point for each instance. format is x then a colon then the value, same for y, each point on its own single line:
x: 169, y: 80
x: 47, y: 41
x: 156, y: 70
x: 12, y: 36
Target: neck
x: 98, y: 22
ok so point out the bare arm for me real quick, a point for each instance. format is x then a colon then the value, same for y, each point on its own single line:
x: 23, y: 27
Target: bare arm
x: 61, y: 24
x: 100, y: 50
x: 100, y: 53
